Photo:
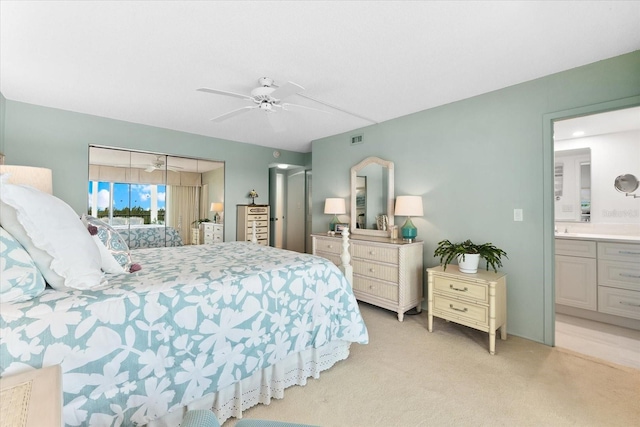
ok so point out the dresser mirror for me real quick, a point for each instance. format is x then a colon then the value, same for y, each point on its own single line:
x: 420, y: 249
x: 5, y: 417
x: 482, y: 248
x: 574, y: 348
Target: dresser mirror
x: 372, y: 195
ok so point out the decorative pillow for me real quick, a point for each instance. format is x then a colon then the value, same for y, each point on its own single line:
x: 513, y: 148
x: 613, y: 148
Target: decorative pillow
x: 111, y: 240
x: 20, y: 279
x: 109, y: 263
x: 49, y: 230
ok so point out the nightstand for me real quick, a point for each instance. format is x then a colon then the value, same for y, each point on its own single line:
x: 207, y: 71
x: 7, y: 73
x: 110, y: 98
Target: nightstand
x: 213, y: 233
x: 476, y: 300
x: 32, y: 398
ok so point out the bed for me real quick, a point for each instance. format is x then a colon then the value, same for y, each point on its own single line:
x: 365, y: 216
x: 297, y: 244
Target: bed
x: 222, y: 327
x: 149, y: 235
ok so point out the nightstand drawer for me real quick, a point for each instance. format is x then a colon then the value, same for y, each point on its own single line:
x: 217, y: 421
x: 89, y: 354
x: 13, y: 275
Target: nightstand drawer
x: 333, y: 246
x: 376, y: 271
x: 462, y: 310
x: 378, y: 289
x: 375, y: 253
x: 461, y: 289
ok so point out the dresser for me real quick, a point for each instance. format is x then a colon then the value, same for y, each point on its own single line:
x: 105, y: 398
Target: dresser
x: 212, y: 233
x: 250, y: 216
x: 476, y: 300
x: 386, y: 273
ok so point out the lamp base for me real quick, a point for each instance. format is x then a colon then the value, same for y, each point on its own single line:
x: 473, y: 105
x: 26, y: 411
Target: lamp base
x: 332, y: 224
x: 409, y: 231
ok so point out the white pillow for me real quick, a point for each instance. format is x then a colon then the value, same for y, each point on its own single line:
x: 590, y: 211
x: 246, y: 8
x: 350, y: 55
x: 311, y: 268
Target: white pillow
x: 52, y: 233
x: 109, y: 263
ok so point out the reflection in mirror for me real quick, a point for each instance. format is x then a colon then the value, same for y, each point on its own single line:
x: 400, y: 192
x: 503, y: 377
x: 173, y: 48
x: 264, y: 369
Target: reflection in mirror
x: 372, y: 183
x: 572, y: 185
x: 153, y: 199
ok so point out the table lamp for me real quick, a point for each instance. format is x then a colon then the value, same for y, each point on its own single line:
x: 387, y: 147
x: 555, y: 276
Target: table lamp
x: 217, y: 208
x: 335, y: 206
x: 409, y: 206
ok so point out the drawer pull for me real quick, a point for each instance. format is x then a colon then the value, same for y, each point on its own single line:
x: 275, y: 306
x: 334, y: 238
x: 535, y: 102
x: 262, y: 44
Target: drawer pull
x: 629, y: 303
x: 372, y: 253
x: 635, y: 276
x: 330, y: 246
x: 372, y: 270
x: 465, y: 289
x: 463, y: 310
x: 628, y: 253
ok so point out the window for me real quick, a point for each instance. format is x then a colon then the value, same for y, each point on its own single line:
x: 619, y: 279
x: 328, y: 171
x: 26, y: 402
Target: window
x: 122, y: 204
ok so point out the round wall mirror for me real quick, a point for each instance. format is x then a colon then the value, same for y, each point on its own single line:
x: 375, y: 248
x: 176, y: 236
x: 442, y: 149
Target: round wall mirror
x: 626, y: 183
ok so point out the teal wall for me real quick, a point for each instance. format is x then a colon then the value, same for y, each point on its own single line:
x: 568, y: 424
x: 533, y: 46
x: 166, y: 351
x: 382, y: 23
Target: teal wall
x: 59, y: 140
x: 473, y: 162
x: 3, y: 104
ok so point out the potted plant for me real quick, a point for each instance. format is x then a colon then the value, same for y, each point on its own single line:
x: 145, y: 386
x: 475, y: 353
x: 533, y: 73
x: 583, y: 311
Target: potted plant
x: 468, y: 255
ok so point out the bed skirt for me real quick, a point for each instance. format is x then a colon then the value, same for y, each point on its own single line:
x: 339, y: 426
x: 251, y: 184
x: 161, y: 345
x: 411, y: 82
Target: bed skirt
x: 264, y: 385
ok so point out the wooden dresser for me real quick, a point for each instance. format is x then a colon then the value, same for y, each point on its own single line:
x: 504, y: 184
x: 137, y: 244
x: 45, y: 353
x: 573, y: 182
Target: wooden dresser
x: 476, y: 300
x: 250, y: 215
x: 386, y: 273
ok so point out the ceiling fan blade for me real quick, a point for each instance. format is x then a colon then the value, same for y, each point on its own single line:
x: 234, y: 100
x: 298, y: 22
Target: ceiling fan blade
x: 150, y: 169
x: 285, y: 105
x: 224, y: 92
x: 230, y: 114
x: 287, y: 89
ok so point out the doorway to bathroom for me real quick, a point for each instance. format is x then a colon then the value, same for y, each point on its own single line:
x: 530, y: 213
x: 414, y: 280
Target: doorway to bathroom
x: 595, y: 160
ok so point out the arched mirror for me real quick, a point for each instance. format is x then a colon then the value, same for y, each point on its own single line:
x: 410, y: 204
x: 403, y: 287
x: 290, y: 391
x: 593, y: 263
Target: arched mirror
x: 372, y: 184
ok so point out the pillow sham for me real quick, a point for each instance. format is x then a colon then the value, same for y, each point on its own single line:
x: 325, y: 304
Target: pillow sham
x: 20, y: 279
x: 111, y: 240
x: 109, y: 263
x: 49, y: 230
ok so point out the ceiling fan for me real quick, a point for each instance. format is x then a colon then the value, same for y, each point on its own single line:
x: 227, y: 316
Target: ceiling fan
x: 159, y: 163
x: 267, y: 97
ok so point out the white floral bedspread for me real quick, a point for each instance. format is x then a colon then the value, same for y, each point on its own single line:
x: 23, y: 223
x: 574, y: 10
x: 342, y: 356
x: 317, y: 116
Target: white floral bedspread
x: 149, y: 236
x: 194, y: 320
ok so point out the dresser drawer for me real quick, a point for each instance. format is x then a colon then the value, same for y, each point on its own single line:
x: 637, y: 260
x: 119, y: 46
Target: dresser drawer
x: 378, y: 289
x: 375, y: 253
x: 580, y: 248
x: 259, y: 224
x: 376, y: 271
x: 470, y: 312
x: 617, y: 274
x: 619, y: 302
x: 333, y: 246
x: 461, y: 289
x: 619, y: 251
x: 331, y: 257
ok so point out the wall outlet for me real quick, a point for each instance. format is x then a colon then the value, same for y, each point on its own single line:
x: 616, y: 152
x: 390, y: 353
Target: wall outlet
x: 517, y: 215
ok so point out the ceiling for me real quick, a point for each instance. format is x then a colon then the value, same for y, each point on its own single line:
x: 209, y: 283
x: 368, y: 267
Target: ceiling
x: 624, y: 120
x: 142, y: 61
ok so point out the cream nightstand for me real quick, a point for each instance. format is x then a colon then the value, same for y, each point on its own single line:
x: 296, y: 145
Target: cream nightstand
x: 476, y: 300
x: 213, y: 233
x: 32, y: 398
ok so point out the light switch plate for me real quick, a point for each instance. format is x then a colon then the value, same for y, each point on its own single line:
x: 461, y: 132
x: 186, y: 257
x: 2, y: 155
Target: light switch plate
x: 517, y: 215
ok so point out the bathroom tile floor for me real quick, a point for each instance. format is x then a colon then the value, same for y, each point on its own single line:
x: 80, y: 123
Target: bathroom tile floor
x: 600, y: 340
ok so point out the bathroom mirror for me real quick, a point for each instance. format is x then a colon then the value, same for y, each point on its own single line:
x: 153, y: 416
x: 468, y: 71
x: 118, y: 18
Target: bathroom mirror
x: 373, y: 199
x: 572, y: 185
x: 626, y: 183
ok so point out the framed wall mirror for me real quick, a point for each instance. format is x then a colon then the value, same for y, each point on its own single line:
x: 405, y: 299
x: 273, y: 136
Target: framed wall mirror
x: 153, y: 199
x: 372, y: 195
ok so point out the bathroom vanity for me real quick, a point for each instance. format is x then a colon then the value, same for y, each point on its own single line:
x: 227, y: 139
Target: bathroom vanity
x: 598, y: 277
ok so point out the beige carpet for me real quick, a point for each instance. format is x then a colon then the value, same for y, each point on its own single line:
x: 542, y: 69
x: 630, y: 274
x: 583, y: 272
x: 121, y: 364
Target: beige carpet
x: 407, y: 376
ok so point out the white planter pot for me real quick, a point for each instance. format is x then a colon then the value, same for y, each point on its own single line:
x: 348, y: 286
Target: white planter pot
x: 469, y: 264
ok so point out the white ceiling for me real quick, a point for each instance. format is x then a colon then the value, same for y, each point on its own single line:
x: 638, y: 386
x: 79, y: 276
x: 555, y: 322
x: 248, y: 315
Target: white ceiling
x: 624, y: 120
x: 142, y: 61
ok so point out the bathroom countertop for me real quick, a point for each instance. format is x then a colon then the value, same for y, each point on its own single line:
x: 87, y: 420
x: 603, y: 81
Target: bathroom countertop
x: 598, y: 237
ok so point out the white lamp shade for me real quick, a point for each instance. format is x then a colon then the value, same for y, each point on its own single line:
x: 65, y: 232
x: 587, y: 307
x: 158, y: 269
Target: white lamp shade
x: 334, y: 206
x: 39, y: 178
x: 217, y: 207
x: 409, y: 206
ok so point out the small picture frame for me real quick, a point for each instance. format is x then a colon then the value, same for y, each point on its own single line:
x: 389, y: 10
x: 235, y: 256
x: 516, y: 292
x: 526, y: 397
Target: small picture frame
x: 340, y: 227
